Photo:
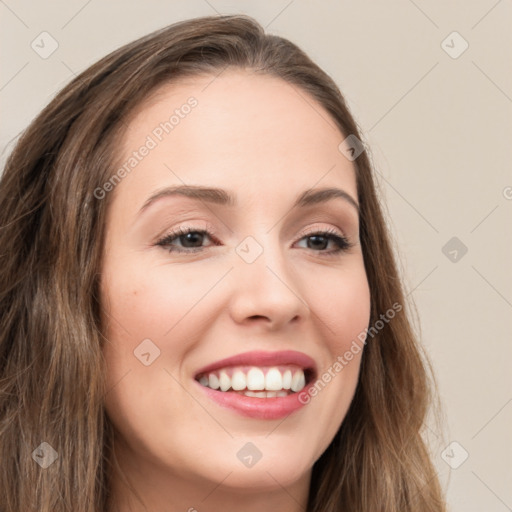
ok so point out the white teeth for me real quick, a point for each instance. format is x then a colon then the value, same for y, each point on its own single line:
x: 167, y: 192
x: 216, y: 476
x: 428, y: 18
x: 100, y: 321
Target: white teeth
x: 225, y: 381
x: 256, y: 394
x: 273, y: 380
x: 276, y: 382
x: 265, y: 394
x: 298, y: 381
x: 213, y: 381
x: 255, y: 379
x: 287, y: 379
x: 238, y: 381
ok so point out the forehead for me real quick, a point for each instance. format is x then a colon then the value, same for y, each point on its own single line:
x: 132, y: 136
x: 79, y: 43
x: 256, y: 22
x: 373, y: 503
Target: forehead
x: 240, y: 130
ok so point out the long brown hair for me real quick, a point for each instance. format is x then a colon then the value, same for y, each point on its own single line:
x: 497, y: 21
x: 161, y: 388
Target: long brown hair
x: 52, y: 374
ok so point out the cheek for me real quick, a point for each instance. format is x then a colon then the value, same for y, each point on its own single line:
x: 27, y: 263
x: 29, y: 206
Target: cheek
x: 156, y: 310
x: 341, y: 312
x: 149, y: 312
x: 152, y: 302
x: 342, y: 304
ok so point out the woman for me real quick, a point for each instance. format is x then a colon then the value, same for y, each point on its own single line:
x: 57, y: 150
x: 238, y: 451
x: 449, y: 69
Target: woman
x: 200, y: 308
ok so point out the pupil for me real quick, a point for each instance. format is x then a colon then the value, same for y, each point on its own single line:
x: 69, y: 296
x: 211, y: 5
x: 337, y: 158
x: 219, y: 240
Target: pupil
x: 189, y: 237
x: 316, y: 238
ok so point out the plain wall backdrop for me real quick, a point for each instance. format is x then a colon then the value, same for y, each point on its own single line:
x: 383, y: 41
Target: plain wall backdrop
x: 430, y: 85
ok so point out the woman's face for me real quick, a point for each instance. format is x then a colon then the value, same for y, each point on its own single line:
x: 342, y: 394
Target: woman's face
x: 263, y: 285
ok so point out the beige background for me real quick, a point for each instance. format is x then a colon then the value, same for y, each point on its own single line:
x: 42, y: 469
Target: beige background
x: 440, y: 130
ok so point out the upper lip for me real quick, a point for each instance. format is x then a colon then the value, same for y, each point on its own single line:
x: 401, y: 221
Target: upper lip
x: 263, y: 358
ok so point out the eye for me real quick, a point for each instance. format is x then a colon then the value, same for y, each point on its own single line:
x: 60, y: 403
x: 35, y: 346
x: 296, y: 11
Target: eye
x: 190, y: 238
x: 320, y: 240
x: 191, y: 241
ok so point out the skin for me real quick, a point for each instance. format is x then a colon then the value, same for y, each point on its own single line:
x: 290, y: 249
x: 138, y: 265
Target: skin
x: 257, y: 137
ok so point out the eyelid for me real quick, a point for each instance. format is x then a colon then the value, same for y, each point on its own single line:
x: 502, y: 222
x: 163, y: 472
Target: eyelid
x: 207, y: 226
x: 316, y: 229
x: 212, y: 232
x: 332, y: 234
x: 192, y: 225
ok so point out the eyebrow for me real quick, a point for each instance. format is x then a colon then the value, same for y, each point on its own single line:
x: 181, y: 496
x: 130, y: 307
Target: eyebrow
x: 222, y: 197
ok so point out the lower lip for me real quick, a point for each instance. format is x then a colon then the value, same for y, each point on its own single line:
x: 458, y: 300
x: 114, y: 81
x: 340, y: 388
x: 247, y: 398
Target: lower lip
x: 261, y: 408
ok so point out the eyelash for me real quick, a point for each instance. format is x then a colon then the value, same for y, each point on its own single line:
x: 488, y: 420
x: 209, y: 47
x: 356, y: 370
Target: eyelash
x: 342, y: 242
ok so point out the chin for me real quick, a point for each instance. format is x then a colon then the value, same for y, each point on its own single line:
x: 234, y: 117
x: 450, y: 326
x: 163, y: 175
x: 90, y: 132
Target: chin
x: 276, y: 467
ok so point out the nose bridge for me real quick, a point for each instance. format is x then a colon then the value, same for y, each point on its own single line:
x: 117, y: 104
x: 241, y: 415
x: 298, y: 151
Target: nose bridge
x: 265, y: 282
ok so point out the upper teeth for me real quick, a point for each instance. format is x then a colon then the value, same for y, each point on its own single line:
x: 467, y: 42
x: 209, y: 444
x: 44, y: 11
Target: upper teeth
x: 254, y: 378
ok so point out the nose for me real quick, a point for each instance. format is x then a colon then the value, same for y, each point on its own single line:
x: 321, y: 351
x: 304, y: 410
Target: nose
x: 267, y: 291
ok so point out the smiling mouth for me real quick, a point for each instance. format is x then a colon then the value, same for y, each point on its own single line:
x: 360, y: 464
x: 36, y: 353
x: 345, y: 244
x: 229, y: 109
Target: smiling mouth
x: 258, y: 381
